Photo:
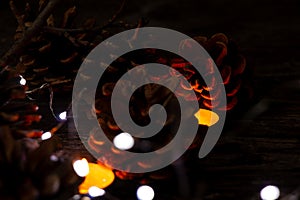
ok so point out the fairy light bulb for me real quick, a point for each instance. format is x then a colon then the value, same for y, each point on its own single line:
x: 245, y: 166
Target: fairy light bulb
x: 54, y: 158
x: 46, y: 135
x: 99, y: 176
x: 145, y: 192
x: 206, y: 117
x: 63, y: 115
x: 22, y: 80
x: 270, y: 192
x: 96, y: 192
x: 123, y: 141
x: 81, y: 167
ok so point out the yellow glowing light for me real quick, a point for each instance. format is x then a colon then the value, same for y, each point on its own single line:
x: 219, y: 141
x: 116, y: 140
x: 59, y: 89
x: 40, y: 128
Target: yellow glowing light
x: 99, y: 176
x: 81, y: 167
x: 206, y: 117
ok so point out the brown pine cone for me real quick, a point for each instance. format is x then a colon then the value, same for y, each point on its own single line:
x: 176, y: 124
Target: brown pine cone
x: 16, y: 110
x: 29, y: 168
x: 57, y: 52
x: 54, y: 55
x: 231, y: 65
x: 224, y: 52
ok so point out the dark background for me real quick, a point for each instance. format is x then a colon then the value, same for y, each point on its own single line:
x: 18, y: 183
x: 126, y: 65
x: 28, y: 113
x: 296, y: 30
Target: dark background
x: 262, y: 146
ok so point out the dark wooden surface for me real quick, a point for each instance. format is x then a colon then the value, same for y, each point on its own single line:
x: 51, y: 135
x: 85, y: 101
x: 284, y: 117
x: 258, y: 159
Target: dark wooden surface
x: 259, y: 147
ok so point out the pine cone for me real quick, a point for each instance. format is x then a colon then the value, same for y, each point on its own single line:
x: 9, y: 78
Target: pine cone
x: 225, y: 54
x: 57, y: 52
x: 231, y: 65
x: 15, y: 109
x: 29, y: 168
x: 54, y: 54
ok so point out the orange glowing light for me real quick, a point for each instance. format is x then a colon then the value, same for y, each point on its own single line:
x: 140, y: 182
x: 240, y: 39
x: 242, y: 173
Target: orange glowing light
x: 206, y: 117
x: 99, y: 176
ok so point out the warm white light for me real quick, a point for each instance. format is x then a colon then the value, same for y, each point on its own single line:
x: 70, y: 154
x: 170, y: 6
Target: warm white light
x: 145, y: 192
x: 96, y: 192
x: 46, y: 136
x: 22, y: 81
x: 81, y: 167
x: 270, y: 192
x: 63, y: 115
x: 123, y: 141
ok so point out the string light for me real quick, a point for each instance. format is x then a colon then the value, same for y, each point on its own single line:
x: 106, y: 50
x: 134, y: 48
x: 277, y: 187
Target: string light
x: 123, y: 141
x: 96, y: 192
x: 63, y: 115
x: 145, y: 192
x: 22, y: 80
x: 81, y: 167
x: 46, y: 135
x: 270, y: 192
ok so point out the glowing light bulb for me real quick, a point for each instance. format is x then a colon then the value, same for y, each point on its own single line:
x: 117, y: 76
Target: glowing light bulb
x: 96, y: 192
x: 63, y: 115
x: 81, y: 167
x: 270, y: 192
x: 54, y: 158
x: 22, y: 81
x: 206, y: 117
x: 99, y: 176
x: 145, y: 192
x: 123, y: 141
x: 46, y: 136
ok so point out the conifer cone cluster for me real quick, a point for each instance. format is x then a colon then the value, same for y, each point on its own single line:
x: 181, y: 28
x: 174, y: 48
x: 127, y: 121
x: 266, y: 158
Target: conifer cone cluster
x: 231, y: 65
x: 57, y: 51
x: 16, y: 110
x: 29, y: 167
x: 224, y: 53
x: 54, y: 54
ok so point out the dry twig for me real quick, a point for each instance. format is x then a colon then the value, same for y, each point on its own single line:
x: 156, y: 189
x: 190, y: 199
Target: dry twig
x: 18, y: 16
x: 109, y: 23
x: 114, y: 17
x: 17, y: 48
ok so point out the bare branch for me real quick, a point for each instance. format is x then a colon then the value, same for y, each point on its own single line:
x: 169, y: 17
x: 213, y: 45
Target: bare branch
x: 17, y: 48
x: 109, y: 23
x: 98, y: 29
x: 114, y: 17
x: 17, y: 14
x: 67, y: 30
